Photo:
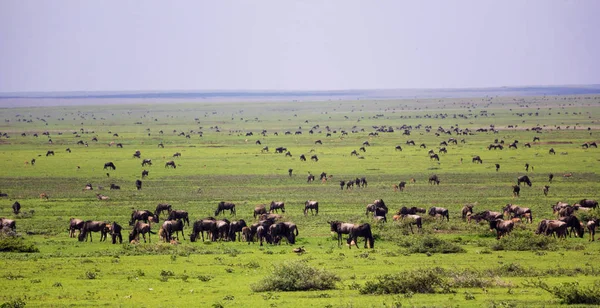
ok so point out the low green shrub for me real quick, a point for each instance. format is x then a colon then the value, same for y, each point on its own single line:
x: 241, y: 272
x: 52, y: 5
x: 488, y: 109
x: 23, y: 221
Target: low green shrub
x: 525, y: 240
x: 417, y: 281
x: 572, y: 293
x: 15, y: 244
x: 296, y: 276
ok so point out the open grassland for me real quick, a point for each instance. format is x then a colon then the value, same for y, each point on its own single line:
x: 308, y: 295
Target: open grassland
x: 221, y: 162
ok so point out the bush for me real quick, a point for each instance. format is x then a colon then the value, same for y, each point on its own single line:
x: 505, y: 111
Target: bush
x: 526, y: 240
x: 430, y: 244
x: 15, y: 244
x: 571, y: 293
x: 296, y: 276
x: 17, y: 303
x: 418, y: 281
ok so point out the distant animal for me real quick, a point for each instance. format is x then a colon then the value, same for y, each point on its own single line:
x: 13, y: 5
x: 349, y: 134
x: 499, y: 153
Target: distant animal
x: 143, y: 215
x: 591, y: 226
x: 398, y: 148
x: 486, y: 215
x: 467, y: 210
x: 550, y: 177
x: 50, y: 153
x: 477, y: 159
x: 434, y: 156
x: 410, y: 142
x: 170, y: 164
x: 546, y: 189
x: 310, y: 178
x: 497, y: 167
x: 439, y: 211
x: 222, y: 206
x: 162, y: 207
x: 114, y: 230
x: 290, y: 171
x: 16, y: 207
x: 259, y: 210
x: 502, y: 227
x: 411, y: 219
x: 302, y: 157
x: 524, y: 179
x: 3, y: 194
x: 44, y: 196
x: 573, y: 225
x: 68, y: 150
x: 311, y: 205
x: 588, y: 203
x: 434, y: 179
x: 551, y: 151
x: 143, y: 229
x: 138, y: 184
x: 172, y: 226
x: 517, y: 211
x: 314, y: 158
x: 7, y: 224
x: 177, y: 154
x: 145, y: 173
x: 146, y: 162
x: 92, y: 226
x: 276, y: 206
x: 516, y: 190
x: 110, y: 165
x: 363, y: 230
x: 208, y: 225
x: 75, y: 224
x: 114, y: 186
x: 235, y: 228
x: 178, y: 214
x: 318, y: 142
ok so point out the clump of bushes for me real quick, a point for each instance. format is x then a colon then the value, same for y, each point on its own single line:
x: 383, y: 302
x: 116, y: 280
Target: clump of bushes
x: 418, y: 281
x: 296, y: 276
x: 13, y: 243
x: 572, y: 293
x: 526, y: 240
x: 429, y: 244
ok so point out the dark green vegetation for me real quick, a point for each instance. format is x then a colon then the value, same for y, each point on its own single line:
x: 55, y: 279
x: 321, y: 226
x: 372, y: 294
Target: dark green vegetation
x: 462, y: 263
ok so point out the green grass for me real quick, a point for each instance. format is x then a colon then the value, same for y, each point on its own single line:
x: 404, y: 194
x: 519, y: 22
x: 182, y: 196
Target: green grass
x: 227, y: 165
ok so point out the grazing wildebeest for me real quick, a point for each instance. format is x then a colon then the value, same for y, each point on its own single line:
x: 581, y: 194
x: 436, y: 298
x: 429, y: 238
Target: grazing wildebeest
x: 75, y: 224
x: 146, y: 162
x: 353, y: 153
x: 265, y: 149
x: 443, y: 150
x: 290, y: 171
x: 102, y: 197
x: 423, y: 146
x: 110, y: 165
x: 276, y: 206
x: 485, y: 215
x: 222, y: 229
x: 363, y: 230
x: 497, y: 167
x: 410, y: 142
x: 114, y: 186
x: 589, y: 203
x: 340, y: 228
x: 362, y: 149
x: 342, y: 183
x: 179, y: 214
x: 161, y: 145
x: 311, y: 205
x: 162, y: 207
x: 288, y: 153
x: 410, y: 211
x: 170, y: 164
x: 318, y: 142
x: 516, y: 190
x: 401, y: 186
x: 92, y: 226
x: 512, y: 210
x: 235, y: 227
x: 141, y: 228
x: 467, y: 210
x: 172, y: 226
x: 50, y: 153
x: 33, y: 161
x: 541, y: 228
x: 292, y: 226
x: 310, y: 178
x: 546, y: 189
x: 16, y: 207
x: 363, y: 182
x: 434, y: 179
x: 434, y: 156
x: 557, y: 228
x: 512, y: 145
x: 3, y: 194
x: 302, y: 157
x: 503, y: 227
x: 119, y: 145
x: 114, y: 230
x: 314, y: 158
x: 523, y: 179
x: 281, y: 230
x: 88, y: 186
x: 177, y: 154
x: 145, y: 173
x: 6, y: 224
x: 591, y: 226
x: 550, y: 177
x: 143, y: 215
x: 398, y: 148
x: 259, y: 210
x: 477, y: 159
x: 573, y: 225
x: 138, y: 184
x: 137, y: 154
x: 280, y: 149
x: 222, y: 206
x: 551, y: 151
x: 68, y: 150
x: 435, y: 211
x: 412, y: 219
x: 209, y: 225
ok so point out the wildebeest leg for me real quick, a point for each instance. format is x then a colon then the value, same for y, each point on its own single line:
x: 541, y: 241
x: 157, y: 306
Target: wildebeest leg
x: 411, y: 229
x: 144, y: 236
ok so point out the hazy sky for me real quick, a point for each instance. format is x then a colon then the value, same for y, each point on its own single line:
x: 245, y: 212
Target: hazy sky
x: 48, y: 45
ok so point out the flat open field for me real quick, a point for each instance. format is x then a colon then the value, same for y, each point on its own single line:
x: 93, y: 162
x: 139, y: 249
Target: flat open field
x: 221, y: 161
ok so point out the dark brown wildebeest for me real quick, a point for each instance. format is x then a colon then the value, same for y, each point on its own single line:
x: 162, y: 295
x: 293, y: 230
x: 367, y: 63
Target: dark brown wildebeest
x: 179, y: 214
x: 434, y: 179
x: 363, y: 182
x: 486, y: 215
x: 310, y: 178
x: 162, y: 207
x: 353, y: 153
x: 423, y: 146
x: 342, y: 183
x: 290, y: 171
x: 477, y: 159
x: 265, y: 149
x: 68, y: 150
x: 137, y: 154
x: 110, y: 165
x: 516, y: 190
x: 318, y: 142
x: 276, y: 206
x: 546, y: 189
x: 146, y: 161
x: 512, y: 210
x: 145, y: 173
x: 281, y: 230
x: 259, y: 210
x: 302, y: 157
x: 280, y: 149
x: 119, y: 145
x: 50, y: 153
x: 573, y: 225
x: 16, y: 207
x: 410, y: 142
x: 141, y: 228
x: 512, y: 145
x: 209, y: 225
x: 550, y: 177
x: 222, y: 229
x: 442, y: 212
x: 443, y: 150
x: 589, y: 203
x: 161, y: 145
x: 170, y: 164
x: 559, y: 206
x: 362, y: 149
x: 292, y: 226
x: 497, y: 167
x: 434, y: 156
x: 114, y: 230
x: 7, y: 224
x: 75, y: 224
x: 314, y: 158
x: 235, y: 228
x: 222, y: 206
x: 524, y: 179
x: 551, y: 151
x: 591, y: 226
x: 340, y: 228
x: 143, y: 215
x: 3, y: 194
x: 363, y: 230
x: 113, y: 186
x: 92, y: 226
x: 177, y: 154
x: 401, y: 185
x: 410, y: 211
x: 557, y: 228
x: 528, y: 145
x: 288, y: 154
x: 467, y: 210
x: 411, y: 219
x: 172, y: 226
x: 138, y: 184
x: 88, y: 186
x: 502, y: 227
x: 311, y: 205
x: 398, y: 148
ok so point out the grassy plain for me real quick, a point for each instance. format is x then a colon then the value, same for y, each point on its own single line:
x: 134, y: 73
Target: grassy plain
x: 226, y: 165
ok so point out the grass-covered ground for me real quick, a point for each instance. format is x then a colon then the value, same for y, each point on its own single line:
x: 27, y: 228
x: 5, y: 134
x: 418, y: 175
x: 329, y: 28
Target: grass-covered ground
x: 224, y: 164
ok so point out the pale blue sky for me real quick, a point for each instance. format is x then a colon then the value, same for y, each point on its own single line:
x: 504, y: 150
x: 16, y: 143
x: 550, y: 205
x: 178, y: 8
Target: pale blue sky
x: 51, y: 45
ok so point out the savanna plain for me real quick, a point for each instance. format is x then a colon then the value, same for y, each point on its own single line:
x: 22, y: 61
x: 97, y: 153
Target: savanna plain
x: 452, y: 263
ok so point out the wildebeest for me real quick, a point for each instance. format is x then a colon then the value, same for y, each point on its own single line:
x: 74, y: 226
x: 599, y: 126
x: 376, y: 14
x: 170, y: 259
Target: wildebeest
x: 92, y: 226
x: 434, y: 179
x: 276, y: 206
x: 141, y: 228
x: 208, y: 224
x: 177, y: 154
x: 172, y: 226
x: 398, y: 148
x: 110, y: 165
x: 353, y: 153
x: 589, y: 203
x: 363, y: 230
x: 3, y: 194
x: 310, y: 178
x: 524, y: 179
x: 314, y: 158
x: 137, y: 154
x: 512, y: 145
x: 410, y: 211
x: 88, y: 186
x: 259, y: 210
x: 146, y: 161
x: 145, y: 173
x: 75, y: 224
x: 477, y: 159
x: 401, y: 186
x: 114, y: 230
x: 443, y: 212
x: 502, y: 227
x: 143, y: 215
x: 423, y: 146
x: 281, y: 230
x: 550, y: 177
x: 516, y: 190
x: 411, y: 219
x: 138, y: 184
x: 222, y: 206
x: 551, y: 151
x: 235, y: 227
x: 573, y: 225
x: 340, y: 228
x: 434, y: 156
x: 280, y: 149
x: 546, y: 189
x: 102, y: 197
x: 318, y: 142
x: 557, y: 228
x: 410, y: 142
x: 485, y: 215
x: 517, y: 211
x: 114, y: 186
x: 311, y: 205
x: 16, y: 207
x: 290, y: 171
x: 50, y: 153
x: 7, y: 224
x: 467, y: 210
x: 497, y: 167
x: 162, y: 207
x: 591, y: 226
x: 179, y: 214
x: 222, y: 229
x: 170, y: 164
x: 377, y: 207
x: 302, y: 157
